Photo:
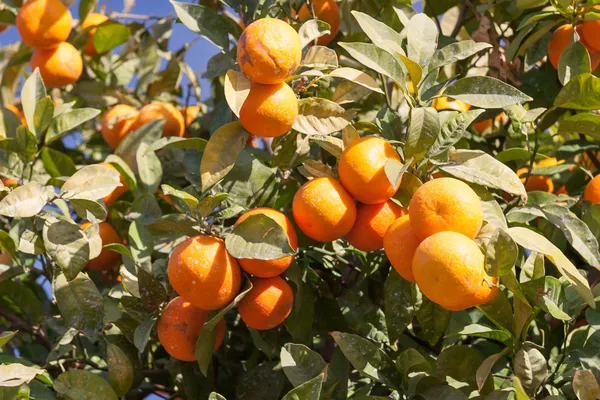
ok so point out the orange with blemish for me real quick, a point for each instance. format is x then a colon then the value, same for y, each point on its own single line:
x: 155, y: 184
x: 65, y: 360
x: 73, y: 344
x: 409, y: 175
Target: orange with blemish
x: 372, y: 221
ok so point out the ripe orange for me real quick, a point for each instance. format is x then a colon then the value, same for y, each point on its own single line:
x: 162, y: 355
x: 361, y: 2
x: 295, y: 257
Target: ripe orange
x: 204, y: 273
x: 15, y: 110
x: 270, y: 268
x: 536, y: 182
x: 269, y: 110
x: 267, y: 304
x: 400, y: 244
x: 59, y: 66
x: 592, y: 191
x: 327, y: 11
x: 117, y: 123
x: 372, y: 221
x: 445, y: 204
x: 179, y: 327
x: 174, y: 123
x: 118, y: 192
x: 269, y: 50
x: 90, y: 24
x: 323, y: 210
x: 362, y: 173
x: 107, y: 259
x: 190, y: 114
x: 563, y: 36
x: 10, y: 182
x: 487, y: 124
x: 449, y: 269
x: 44, y: 23
x: 446, y: 103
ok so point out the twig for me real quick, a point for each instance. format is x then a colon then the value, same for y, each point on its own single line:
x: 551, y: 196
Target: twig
x: 461, y: 19
x: 84, y: 361
x: 37, y: 331
x: 532, y: 160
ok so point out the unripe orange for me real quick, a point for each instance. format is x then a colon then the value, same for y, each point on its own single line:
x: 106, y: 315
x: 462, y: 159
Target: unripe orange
x: 445, y: 204
x: 362, y: 170
x: 59, y: 66
x: 372, y: 221
x: 400, y: 244
x: 269, y: 110
x: 270, y: 268
x: 92, y: 21
x: 44, y: 23
x: 117, y: 123
x: 592, y: 191
x: 267, y: 304
x: 180, y: 326
x: 119, y: 190
x: 269, y: 50
x: 204, y: 273
x: 107, y: 259
x: 324, y: 210
x: 327, y: 11
x: 174, y: 123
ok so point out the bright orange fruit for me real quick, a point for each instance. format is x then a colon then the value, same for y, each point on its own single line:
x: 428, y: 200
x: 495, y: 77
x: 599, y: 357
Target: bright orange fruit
x: 118, y: 123
x: 400, y: 244
x: 174, y: 122
x: 267, y: 304
x: 269, y: 110
x: 91, y: 22
x: 59, y: 66
x: 44, y: 23
x: 372, y: 221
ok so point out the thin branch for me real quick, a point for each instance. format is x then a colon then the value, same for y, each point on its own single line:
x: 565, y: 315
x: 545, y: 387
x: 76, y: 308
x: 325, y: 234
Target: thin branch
x: 20, y: 324
x: 461, y: 19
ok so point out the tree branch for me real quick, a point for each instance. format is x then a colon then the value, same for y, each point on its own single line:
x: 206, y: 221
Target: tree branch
x: 461, y: 19
x: 37, y: 331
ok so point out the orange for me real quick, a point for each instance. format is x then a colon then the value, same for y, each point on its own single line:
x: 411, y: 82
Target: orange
x: 449, y: 269
x: 174, y: 123
x: 59, y: 66
x: 190, y: 114
x: 327, y: 11
x: 400, y: 244
x: 269, y: 110
x: 90, y: 24
x: 5, y: 259
x: 323, y: 209
x: 270, y: 268
x: 3, y: 28
x: 267, y: 304
x: 487, y: 124
x: 269, y: 50
x: 204, y: 273
x: 107, y: 259
x: 445, y: 204
x: 119, y: 190
x: 446, y: 103
x: 15, y: 110
x: 179, y: 327
x: 563, y: 36
x: 44, y: 23
x: 117, y: 123
x: 10, y: 182
x: 536, y: 182
x: 372, y: 221
x: 362, y: 170
x: 592, y: 191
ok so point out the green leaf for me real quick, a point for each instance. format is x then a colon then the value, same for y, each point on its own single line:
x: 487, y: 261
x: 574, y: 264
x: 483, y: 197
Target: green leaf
x: 119, y: 248
x: 216, y: 396
x: 486, y: 332
x: 89, y: 210
x: 152, y: 292
x: 380, y: 34
x: 423, y: 131
x: 422, y: 36
x: 13, y: 375
x: 573, y: 61
x: 17, y: 297
x: 501, y: 254
x: 92, y: 182
x: 208, y: 204
x: 312, y: 30
x: 221, y: 153
x: 310, y: 390
x: 433, y: 320
x: 84, y: 385
x: 24, y: 201
x: 459, y: 362
x: 400, y: 302
x: 204, y: 21
x: 26, y: 143
x: 581, y: 93
x: 57, y: 163
x: 320, y: 57
x: 410, y: 360
x: 484, y: 370
x: 252, y: 385
x: 43, y: 116
x: 67, y: 245
x: 547, y: 294
x: 332, y: 145
x: 190, y: 200
x: 318, y: 116
x: 482, y: 169
x: 301, y: 364
x: 259, y: 237
x: 204, y: 348
x: 174, y: 142
x: 499, y: 311
x: 148, y: 133
x: 149, y: 168
x: 110, y: 34
x: 142, y: 333
x: 85, y: 7
x: 516, y: 154
x: 69, y: 120
x: 120, y: 369
x: 377, y: 59
x: 535, y: 242
x: 79, y: 303
x: 530, y: 367
x: 6, y: 336
x: 452, y: 131
x: 33, y: 91
x: 456, y: 52
x: 586, y: 123
x: 211, y: 322
x: 394, y: 170
x: 486, y: 92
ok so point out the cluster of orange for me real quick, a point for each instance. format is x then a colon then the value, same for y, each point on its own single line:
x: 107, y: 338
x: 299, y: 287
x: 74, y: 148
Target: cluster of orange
x: 589, y: 33
x: 448, y: 104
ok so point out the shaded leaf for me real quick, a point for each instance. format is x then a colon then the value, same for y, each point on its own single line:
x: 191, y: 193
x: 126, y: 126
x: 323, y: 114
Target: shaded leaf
x: 79, y: 303
x: 84, y: 385
x: 258, y: 237
x: 318, y: 116
x: 24, y: 201
x: 486, y: 92
x: 237, y: 88
x: 67, y: 245
x: 91, y: 183
x: 301, y: 364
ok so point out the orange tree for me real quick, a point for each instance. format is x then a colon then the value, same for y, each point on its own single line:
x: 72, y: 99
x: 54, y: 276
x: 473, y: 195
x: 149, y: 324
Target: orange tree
x: 373, y: 202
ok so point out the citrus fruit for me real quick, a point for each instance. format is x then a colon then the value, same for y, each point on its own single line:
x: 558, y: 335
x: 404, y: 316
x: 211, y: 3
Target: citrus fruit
x: 107, y: 259
x: 269, y: 110
x: 267, y: 304
x: 269, y: 50
x: 362, y: 170
x: 179, y: 327
x: 119, y: 190
x: 448, y: 267
x: 400, y: 244
x: 323, y: 209
x: 446, y: 103
x: 59, y: 66
x: 90, y: 24
x: 563, y: 36
x: 202, y: 272
x: 445, y: 204
x: 15, y: 110
x: 536, y: 182
x: 270, y: 268
x: 372, y: 221
x: 117, y: 123
x: 174, y: 122
x: 44, y: 23
x: 190, y: 113
x: 592, y: 191
x: 327, y: 11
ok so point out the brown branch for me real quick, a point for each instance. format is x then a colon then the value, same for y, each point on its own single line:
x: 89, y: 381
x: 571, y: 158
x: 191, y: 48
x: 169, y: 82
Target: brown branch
x: 461, y: 19
x: 37, y: 331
